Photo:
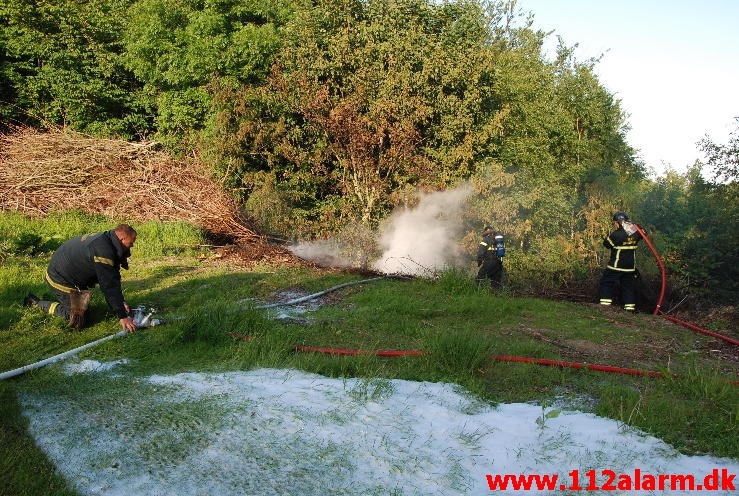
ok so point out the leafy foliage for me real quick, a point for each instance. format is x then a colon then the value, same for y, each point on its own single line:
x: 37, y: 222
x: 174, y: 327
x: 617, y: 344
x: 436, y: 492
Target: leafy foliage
x: 723, y: 158
x: 177, y: 48
x: 370, y: 101
x: 325, y: 116
x: 696, y: 219
x: 367, y: 102
x: 63, y: 65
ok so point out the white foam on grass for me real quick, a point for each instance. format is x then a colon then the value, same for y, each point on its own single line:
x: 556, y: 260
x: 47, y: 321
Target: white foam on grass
x: 286, y: 432
x: 86, y: 366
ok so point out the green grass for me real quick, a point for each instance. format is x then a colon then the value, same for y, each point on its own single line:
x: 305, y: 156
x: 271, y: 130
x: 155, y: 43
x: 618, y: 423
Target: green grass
x: 458, y: 327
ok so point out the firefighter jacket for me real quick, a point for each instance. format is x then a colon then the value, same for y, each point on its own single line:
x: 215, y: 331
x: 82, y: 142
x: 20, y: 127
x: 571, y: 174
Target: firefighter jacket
x: 486, y: 249
x: 622, y: 246
x: 91, y: 259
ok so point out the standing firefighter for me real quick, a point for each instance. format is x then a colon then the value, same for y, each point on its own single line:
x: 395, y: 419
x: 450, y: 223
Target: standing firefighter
x: 78, y: 265
x: 621, y: 270
x: 490, y: 254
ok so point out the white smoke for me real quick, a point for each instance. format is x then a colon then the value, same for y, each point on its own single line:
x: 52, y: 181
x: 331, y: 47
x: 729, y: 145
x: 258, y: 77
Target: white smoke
x: 423, y: 239
x: 414, y: 241
x: 327, y: 253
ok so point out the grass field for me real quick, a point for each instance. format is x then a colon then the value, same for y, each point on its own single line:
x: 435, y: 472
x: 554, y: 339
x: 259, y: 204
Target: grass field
x: 459, y: 328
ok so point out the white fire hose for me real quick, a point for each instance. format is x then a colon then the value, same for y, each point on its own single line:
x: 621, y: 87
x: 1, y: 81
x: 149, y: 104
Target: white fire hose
x: 56, y: 358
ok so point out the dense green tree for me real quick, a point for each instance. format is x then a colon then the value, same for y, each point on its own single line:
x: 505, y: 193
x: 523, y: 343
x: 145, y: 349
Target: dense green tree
x: 724, y: 159
x: 367, y: 102
x: 564, y: 150
x: 695, y: 221
x: 665, y: 203
x: 178, y: 48
x: 62, y: 65
x: 10, y: 97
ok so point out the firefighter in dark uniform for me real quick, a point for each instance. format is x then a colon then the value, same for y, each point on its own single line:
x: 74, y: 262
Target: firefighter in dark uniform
x: 490, y: 254
x: 78, y: 265
x: 621, y: 268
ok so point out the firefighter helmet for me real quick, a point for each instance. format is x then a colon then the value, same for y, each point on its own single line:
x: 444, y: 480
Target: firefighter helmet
x: 620, y: 216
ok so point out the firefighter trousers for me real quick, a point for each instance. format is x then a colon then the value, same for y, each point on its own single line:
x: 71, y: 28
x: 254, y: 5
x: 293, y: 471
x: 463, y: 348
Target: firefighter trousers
x: 63, y: 307
x: 491, y: 269
x: 612, y: 279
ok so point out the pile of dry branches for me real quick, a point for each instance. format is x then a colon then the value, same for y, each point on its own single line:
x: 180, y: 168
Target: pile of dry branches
x: 61, y: 170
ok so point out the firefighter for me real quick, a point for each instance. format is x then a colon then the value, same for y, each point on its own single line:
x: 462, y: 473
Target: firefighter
x: 490, y: 254
x: 621, y: 270
x: 83, y: 262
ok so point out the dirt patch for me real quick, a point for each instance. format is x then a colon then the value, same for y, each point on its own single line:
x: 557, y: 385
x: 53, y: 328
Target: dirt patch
x: 255, y: 251
x: 721, y: 350
x: 656, y: 347
x: 587, y: 348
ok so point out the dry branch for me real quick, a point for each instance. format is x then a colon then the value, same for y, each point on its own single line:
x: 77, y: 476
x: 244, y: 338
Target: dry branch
x: 61, y: 170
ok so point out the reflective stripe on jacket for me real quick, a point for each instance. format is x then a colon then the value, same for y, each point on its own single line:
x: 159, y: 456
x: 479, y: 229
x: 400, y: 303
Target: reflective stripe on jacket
x: 622, y: 246
x: 486, y: 249
x: 84, y: 261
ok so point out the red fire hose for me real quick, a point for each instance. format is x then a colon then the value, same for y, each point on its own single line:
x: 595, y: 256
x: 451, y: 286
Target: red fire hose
x: 589, y: 366
x: 702, y: 331
x: 500, y: 358
x: 661, y: 269
x: 339, y: 351
x: 658, y: 308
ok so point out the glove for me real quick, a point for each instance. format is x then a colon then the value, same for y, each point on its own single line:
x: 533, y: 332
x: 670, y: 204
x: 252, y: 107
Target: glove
x: 629, y: 227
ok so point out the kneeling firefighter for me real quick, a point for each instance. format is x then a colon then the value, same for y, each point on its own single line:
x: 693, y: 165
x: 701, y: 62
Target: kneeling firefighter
x: 621, y: 269
x: 78, y: 265
x: 490, y: 253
